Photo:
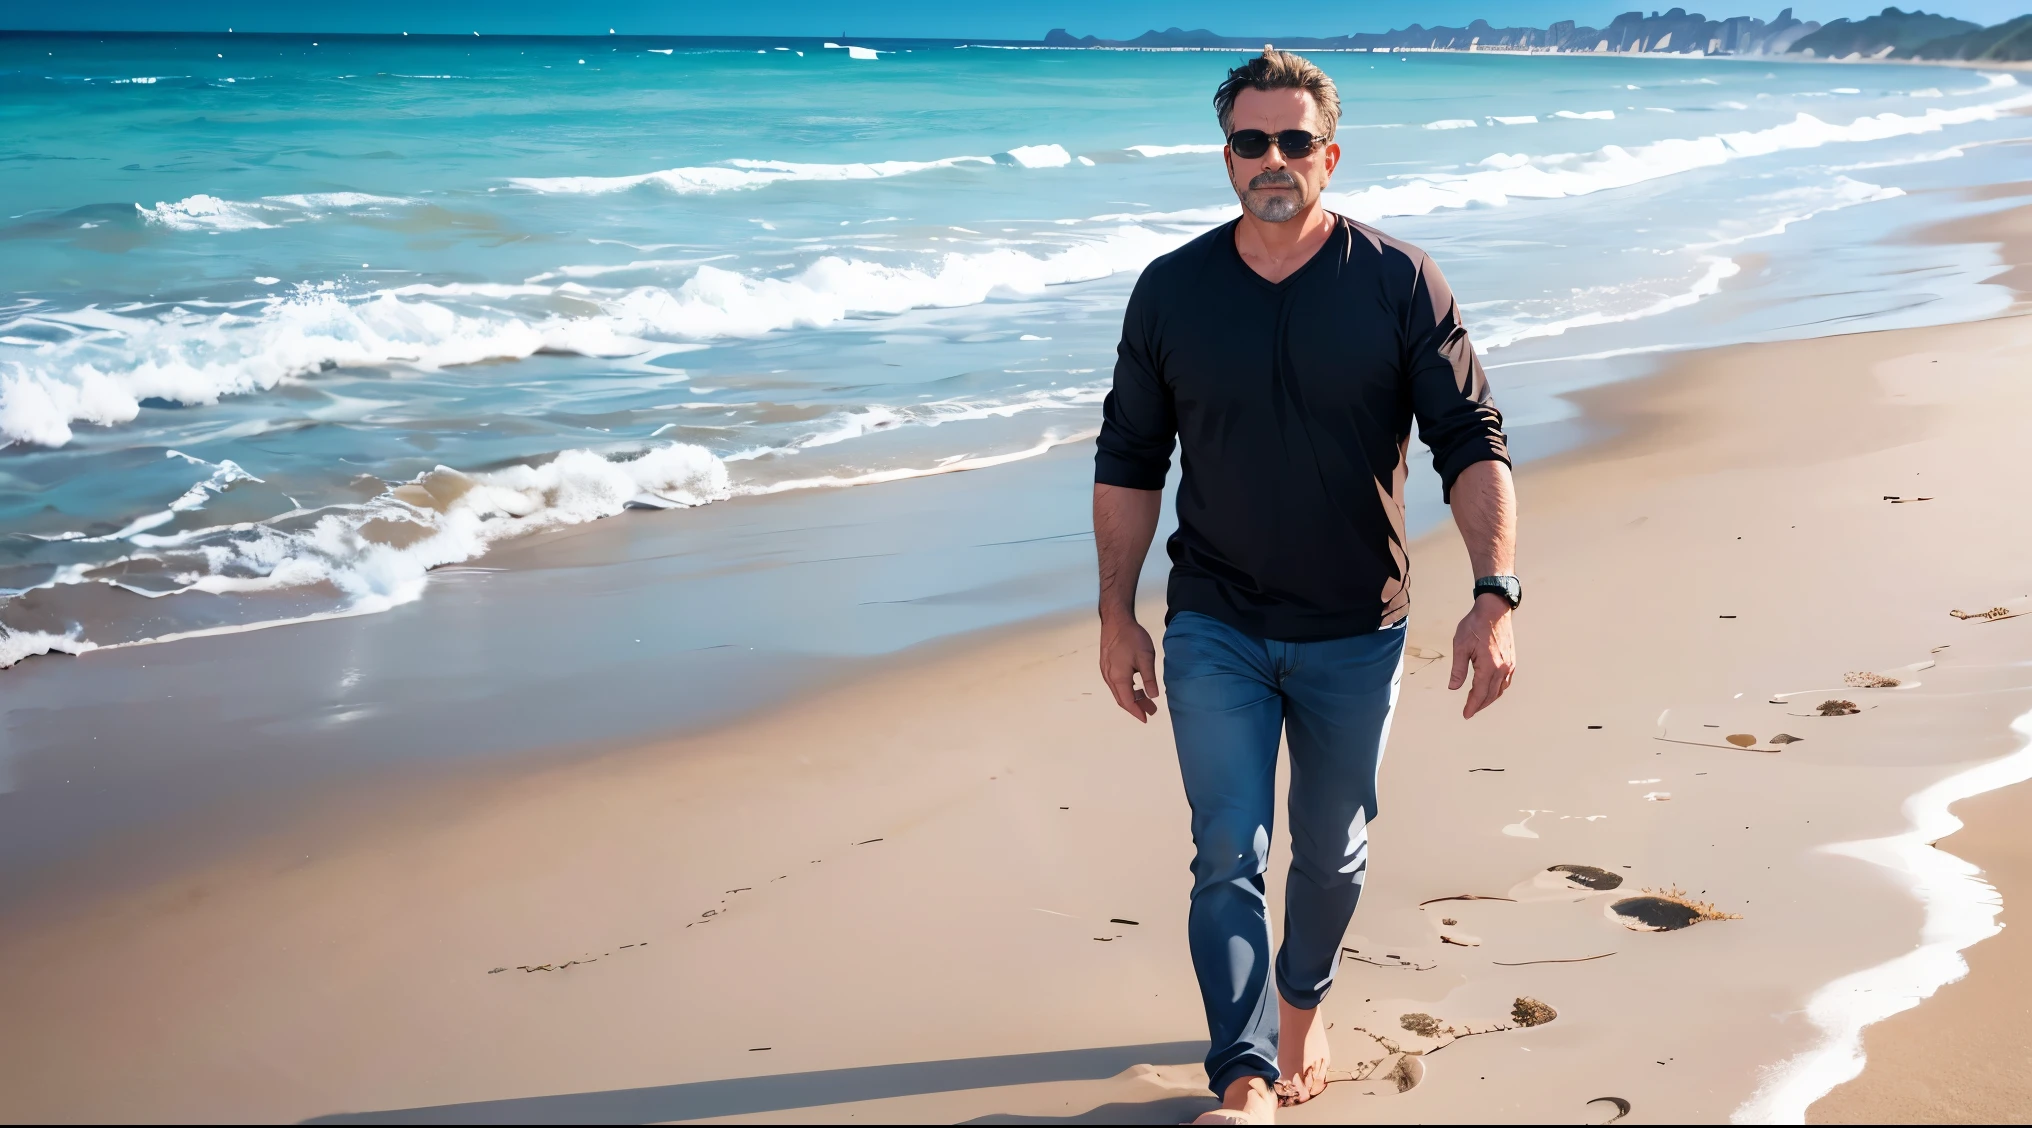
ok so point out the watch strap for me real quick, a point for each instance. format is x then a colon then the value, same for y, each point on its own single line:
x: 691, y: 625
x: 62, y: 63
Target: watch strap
x: 1508, y: 587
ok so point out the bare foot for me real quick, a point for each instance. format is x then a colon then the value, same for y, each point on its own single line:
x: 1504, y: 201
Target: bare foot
x: 1249, y: 1101
x: 1302, y: 1053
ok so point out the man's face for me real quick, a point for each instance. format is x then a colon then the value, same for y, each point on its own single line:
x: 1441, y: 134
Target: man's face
x: 1275, y: 186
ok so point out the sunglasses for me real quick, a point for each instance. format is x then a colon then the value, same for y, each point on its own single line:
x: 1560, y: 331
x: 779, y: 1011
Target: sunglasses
x: 1249, y: 144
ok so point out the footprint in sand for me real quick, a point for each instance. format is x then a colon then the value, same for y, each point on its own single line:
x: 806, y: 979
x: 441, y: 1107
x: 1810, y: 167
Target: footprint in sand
x: 1663, y: 910
x: 1390, y: 1041
x: 1650, y: 910
x: 1532, y: 916
x: 1382, y: 1071
x: 1377, y: 1071
x: 1396, y: 1029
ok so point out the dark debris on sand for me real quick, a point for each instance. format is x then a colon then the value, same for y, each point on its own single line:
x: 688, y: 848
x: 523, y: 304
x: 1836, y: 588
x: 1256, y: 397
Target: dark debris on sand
x: 1588, y: 877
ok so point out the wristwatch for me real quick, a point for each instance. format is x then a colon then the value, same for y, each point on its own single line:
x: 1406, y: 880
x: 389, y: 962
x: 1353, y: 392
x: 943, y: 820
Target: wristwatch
x: 1505, y: 586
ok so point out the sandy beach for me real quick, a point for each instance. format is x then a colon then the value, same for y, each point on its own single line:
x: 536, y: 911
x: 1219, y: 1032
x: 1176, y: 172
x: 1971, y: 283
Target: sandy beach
x: 952, y: 886
x: 1983, y: 1023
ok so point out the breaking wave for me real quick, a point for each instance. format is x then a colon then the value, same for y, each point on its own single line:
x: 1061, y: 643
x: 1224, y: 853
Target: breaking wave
x: 204, y: 212
x: 736, y: 175
x: 378, y: 555
x: 739, y: 174
x: 1505, y: 176
x: 110, y: 362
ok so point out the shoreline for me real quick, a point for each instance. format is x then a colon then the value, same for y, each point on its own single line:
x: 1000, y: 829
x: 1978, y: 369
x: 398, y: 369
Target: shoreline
x: 1961, y: 910
x: 457, y: 871
x: 1981, y: 1021
x: 1977, y: 1008
x: 423, y: 689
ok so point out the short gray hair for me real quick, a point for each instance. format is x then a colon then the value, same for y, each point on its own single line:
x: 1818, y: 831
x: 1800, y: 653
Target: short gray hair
x: 1279, y: 70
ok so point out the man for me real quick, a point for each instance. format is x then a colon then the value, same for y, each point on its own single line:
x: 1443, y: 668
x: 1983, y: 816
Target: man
x: 1288, y: 353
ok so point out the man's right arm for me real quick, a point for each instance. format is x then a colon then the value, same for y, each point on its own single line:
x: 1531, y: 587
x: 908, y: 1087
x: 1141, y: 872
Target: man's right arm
x: 1139, y: 426
x: 1125, y: 520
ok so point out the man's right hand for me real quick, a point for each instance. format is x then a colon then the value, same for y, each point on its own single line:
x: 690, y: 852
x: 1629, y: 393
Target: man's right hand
x: 1126, y: 655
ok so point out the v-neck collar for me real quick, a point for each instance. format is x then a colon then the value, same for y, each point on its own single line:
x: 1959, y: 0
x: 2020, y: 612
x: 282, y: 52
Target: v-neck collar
x: 1339, y: 232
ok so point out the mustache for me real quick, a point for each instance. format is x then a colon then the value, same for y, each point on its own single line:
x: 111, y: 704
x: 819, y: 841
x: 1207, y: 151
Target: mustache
x: 1275, y: 178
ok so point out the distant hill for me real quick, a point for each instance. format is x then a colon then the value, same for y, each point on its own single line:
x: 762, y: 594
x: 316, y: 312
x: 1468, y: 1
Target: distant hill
x: 1890, y: 33
x: 1675, y: 32
x: 1880, y: 35
x: 2009, y: 42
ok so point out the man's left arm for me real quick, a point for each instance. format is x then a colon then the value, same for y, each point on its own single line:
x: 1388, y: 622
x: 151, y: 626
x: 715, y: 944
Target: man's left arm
x: 1485, y: 511
x: 1457, y: 418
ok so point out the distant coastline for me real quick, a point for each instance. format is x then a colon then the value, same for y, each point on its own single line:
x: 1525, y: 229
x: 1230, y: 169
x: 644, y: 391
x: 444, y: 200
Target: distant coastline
x: 1891, y: 34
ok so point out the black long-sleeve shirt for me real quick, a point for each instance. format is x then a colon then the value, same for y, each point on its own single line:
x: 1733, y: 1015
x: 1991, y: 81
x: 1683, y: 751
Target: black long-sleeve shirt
x: 1292, y: 404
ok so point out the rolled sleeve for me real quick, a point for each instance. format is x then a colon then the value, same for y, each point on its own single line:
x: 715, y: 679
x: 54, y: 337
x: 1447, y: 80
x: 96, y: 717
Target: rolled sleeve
x: 1450, y: 396
x: 1139, y: 421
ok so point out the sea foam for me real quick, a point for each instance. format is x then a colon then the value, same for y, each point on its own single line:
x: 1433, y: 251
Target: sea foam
x: 110, y: 362
x: 1714, y: 272
x: 1961, y: 910
x: 735, y: 175
x: 1505, y: 176
x: 378, y: 555
x: 1040, y: 156
x: 859, y: 422
x: 1172, y: 150
x: 204, y: 212
x: 16, y: 645
x: 722, y: 303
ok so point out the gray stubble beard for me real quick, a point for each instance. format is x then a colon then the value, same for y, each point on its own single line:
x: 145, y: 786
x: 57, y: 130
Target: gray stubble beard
x: 1273, y: 207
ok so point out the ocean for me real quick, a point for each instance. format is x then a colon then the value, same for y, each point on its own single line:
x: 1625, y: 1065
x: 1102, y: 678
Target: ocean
x: 288, y: 322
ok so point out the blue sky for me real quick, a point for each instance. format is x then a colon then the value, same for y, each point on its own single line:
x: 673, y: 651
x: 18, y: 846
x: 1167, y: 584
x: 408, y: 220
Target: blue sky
x: 1017, y: 19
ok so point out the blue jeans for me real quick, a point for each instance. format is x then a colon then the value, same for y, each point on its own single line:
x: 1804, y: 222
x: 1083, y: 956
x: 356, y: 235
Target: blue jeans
x: 1230, y: 694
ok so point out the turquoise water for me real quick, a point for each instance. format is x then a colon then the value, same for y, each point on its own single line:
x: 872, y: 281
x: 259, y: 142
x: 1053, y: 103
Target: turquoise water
x: 288, y: 322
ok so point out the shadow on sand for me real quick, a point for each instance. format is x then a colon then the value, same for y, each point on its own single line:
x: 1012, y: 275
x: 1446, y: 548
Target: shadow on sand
x: 777, y: 1092
x: 1170, y: 1110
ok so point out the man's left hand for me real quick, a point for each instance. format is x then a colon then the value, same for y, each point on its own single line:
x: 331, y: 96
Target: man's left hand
x: 1483, y: 640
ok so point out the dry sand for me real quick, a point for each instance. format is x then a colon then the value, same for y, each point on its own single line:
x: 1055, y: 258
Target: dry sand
x: 955, y: 889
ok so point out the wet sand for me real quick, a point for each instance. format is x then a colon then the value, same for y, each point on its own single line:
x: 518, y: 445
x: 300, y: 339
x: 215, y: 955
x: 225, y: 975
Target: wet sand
x: 1965, y: 1056
x: 2009, y: 230
x: 954, y: 888
x: 124, y: 765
